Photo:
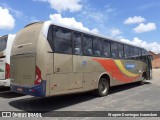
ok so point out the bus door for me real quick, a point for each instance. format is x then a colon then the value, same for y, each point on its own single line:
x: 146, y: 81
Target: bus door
x: 76, y: 78
x: 82, y: 62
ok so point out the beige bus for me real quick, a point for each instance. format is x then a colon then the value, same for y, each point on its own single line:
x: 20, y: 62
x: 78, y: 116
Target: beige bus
x: 50, y: 59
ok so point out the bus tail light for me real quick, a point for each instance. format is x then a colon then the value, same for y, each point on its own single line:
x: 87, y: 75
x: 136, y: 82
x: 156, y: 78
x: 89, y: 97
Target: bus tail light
x: 7, y: 73
x: 38, y: 76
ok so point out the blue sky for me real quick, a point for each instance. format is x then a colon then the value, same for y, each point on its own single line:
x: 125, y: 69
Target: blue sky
x: 135, y: 22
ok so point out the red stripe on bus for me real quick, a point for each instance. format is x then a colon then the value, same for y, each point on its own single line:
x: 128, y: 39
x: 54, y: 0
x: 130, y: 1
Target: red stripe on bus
x: 111, y: 67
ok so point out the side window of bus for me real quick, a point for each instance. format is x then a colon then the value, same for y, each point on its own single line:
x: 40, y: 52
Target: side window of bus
x: 77, y: 43
x: 50, y: 37
x: 87, y: 45
x: 106, y: 48
x: 126, y: 52
x: 136, y: 53
x: 97, y: 47
x: 121, y: 50
x: 132, y: 55
x: 114, y: 50
x: 62, y: 41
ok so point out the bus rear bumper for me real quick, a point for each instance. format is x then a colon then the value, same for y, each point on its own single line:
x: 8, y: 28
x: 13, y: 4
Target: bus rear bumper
x: 5, y: 82
x: 36, y: 90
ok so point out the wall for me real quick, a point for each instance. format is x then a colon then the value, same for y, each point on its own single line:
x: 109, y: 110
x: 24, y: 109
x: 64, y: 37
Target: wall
x: 156, y: 60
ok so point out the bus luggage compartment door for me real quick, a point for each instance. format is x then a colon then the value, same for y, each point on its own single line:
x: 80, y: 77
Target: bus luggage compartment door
x: 23, y: 69
x: 62, y: 68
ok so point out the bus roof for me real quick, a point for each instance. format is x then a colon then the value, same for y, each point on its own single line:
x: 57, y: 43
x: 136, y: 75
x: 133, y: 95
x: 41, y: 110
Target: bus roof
x: 47, y: 24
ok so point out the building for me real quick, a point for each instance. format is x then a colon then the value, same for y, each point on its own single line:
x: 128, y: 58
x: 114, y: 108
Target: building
x: 156, y: 60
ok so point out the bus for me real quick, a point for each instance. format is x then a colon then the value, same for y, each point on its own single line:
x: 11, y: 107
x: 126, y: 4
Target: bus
x: 51, y: 59
x: 6, y: 42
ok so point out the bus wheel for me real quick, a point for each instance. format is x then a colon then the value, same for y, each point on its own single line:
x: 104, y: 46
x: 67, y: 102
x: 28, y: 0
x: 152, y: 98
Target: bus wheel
x: 103, y: 87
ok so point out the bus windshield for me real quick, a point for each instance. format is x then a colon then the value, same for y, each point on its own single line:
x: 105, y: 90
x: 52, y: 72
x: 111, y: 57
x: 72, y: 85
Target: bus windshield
x: 3, y: 43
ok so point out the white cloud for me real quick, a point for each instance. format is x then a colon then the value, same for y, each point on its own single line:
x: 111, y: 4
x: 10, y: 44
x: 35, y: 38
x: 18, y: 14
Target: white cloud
x: 7, y: 21
x: 19, y: 14
x: 64, y: 5
x: 16, y: 13
x: 99, y: 16
x: 70, y: 22
x: 95, y: 30
x: 34, y: 19
x: 114, y: 32
x: 135, y: 19
x: 154, y: 47
x: 145, y: 27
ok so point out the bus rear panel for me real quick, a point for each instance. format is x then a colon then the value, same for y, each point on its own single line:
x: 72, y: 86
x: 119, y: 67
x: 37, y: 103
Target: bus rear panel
x: 25, y: 74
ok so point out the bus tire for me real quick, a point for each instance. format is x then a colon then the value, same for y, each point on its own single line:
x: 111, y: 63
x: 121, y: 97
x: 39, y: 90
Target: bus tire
x: 103, y: 87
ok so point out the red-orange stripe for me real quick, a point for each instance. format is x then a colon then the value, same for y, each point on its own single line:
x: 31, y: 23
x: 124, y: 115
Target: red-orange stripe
x: 111, y: 67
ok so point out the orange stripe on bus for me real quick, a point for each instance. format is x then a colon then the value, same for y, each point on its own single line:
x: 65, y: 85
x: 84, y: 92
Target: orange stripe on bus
x: 111, y: 67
